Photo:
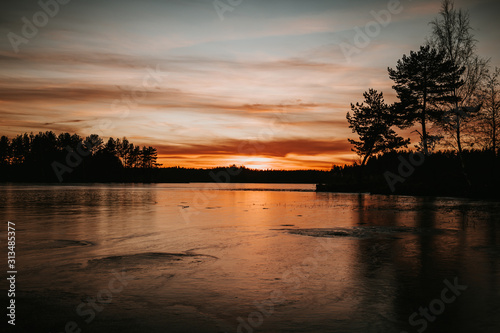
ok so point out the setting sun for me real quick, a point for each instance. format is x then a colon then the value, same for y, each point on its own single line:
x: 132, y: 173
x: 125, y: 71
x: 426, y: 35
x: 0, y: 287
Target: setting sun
x: 280, y: 77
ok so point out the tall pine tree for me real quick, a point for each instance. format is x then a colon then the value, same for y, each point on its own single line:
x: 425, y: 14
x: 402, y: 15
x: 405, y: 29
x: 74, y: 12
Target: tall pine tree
x: 424, y: 80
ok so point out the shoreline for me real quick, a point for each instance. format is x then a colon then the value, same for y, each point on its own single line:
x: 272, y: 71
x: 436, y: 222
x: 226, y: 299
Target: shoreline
x: 476, y: 193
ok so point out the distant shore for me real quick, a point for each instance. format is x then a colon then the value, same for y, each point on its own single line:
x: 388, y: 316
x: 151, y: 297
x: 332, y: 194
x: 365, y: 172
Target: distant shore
x: 398, y: 173
x: 491, y: 192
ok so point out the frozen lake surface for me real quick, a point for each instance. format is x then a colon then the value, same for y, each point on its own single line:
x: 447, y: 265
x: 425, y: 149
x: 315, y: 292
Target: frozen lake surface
x: 250, y: 258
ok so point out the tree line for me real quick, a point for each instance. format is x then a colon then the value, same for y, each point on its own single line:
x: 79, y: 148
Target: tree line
x: 47, y: 147
x: 444, y: 87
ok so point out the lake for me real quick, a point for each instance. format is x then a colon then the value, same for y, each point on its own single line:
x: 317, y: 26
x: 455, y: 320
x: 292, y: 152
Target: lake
x: 249, y: 258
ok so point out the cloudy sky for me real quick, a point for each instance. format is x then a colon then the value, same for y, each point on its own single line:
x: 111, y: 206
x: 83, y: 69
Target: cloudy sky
x: 260, y: 83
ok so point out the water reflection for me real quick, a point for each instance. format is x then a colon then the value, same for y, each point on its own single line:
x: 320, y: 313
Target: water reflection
x: 408, y: 271
x: 236, y: 250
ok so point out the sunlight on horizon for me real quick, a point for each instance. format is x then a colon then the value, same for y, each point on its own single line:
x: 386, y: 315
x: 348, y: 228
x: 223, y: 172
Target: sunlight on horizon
x: 270, y: 73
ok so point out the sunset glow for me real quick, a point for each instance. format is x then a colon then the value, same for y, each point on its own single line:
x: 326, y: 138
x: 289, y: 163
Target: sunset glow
x: 266, y: 87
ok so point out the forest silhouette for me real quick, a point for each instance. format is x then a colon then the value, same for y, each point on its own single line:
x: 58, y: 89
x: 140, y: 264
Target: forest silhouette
x: 444, y: 85
x: 69, y: 158
x: 446, y: 93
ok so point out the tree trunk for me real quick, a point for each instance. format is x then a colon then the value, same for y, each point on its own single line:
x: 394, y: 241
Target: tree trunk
x: 368, y: 154
x: 364, y: 160
x: 459, y: 140
x: 424, y: 130
x: 494, y: 134
x: 494, y: 124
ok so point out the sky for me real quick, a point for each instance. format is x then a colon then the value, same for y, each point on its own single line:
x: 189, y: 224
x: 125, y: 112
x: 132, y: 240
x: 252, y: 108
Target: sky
x: 259, y: 83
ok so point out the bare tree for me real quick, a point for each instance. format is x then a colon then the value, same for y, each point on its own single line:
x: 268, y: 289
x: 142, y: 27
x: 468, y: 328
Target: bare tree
x: 489, y: 118
x: 452, y: 35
